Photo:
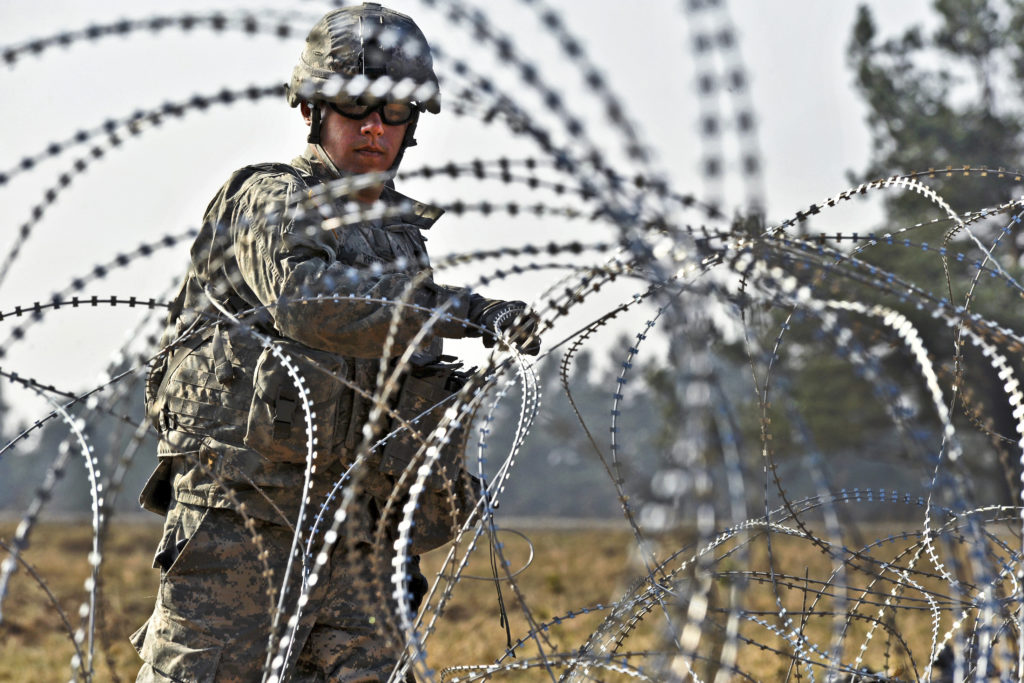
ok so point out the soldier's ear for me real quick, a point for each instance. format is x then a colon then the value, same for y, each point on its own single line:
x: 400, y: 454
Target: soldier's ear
x: 306, y: 112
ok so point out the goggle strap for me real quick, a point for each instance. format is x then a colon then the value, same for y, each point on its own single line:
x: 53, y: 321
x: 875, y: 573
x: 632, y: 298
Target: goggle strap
x: 314, y: 125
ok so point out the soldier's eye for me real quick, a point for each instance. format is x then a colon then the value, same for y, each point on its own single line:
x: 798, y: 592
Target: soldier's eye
x: 353, y: 110
x: 396, y: 113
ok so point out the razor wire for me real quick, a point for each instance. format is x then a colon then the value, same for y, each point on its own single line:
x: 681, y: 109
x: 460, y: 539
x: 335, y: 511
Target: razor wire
x: 745, y: 555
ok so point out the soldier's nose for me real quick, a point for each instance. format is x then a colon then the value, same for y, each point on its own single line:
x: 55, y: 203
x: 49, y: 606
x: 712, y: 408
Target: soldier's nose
x: 373, y: 124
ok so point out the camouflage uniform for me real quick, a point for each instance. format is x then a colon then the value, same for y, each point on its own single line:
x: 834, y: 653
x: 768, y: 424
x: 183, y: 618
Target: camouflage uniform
x: 234, y: 439
x: 278, y: 272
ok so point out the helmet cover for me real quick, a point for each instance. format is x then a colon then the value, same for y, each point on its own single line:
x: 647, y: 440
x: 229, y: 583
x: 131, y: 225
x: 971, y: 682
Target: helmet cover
x: 368, y: 52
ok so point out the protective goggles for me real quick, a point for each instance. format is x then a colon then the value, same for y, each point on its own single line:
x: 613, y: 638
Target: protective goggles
x: 391, y: 113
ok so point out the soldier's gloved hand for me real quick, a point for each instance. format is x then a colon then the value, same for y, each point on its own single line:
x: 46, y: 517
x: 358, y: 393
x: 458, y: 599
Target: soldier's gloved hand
x: 513, y: 319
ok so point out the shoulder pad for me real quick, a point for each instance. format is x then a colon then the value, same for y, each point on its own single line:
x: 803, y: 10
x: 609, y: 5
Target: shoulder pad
x: 422, y: 215
x: 273, y: 168
x: 253, y: 174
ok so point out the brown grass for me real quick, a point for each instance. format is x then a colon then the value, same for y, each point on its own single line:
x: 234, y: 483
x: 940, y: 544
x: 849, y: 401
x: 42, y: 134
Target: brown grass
x: 34, y: 642
x: 577, y: 569
x: 572, y: 570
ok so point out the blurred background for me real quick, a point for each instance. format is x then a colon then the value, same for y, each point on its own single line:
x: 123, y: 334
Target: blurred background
x: 806, y: 100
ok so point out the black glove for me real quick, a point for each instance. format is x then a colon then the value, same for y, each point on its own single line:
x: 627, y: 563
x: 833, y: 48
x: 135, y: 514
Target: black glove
x: 511, y: 318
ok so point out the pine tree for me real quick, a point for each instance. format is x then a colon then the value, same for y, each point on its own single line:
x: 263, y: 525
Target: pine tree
x: 950, y: 98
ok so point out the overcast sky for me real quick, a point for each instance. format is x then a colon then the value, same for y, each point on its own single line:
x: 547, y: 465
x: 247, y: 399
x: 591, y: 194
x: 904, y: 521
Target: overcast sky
x: 810, y: 123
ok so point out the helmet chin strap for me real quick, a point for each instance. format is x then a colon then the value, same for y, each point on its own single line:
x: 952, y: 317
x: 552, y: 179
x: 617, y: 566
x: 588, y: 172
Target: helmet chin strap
x: 314, y: 124
x: 408, y: 141
x: 314, y: 139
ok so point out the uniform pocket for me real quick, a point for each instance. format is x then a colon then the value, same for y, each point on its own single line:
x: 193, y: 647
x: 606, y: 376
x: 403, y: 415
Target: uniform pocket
x: 276, y: 426
x: 176, y: 650
x: 440, y: 513
x: 422, y: 402
x: 174, y: 643
x: 206, y: 390
x: 425, y: 396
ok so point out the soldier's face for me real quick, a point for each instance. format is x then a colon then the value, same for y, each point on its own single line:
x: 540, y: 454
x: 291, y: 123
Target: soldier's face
x: 360, y: 146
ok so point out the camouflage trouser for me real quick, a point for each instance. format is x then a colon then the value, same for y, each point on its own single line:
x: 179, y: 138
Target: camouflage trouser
x: 212, y: 616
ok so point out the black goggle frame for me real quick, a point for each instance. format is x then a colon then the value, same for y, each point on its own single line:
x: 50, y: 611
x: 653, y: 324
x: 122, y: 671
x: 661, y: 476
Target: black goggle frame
x: 391, y: 113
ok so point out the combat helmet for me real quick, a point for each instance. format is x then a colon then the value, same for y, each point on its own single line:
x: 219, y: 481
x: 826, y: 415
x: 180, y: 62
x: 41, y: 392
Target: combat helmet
x: 365, y: 54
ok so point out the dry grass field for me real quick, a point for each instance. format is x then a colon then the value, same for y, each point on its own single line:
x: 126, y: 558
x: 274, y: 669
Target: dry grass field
x: 571, y: 570
x: 34, y: 642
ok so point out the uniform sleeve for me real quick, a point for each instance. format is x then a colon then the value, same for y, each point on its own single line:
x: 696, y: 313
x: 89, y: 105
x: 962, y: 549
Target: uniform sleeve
x: 312, y: 296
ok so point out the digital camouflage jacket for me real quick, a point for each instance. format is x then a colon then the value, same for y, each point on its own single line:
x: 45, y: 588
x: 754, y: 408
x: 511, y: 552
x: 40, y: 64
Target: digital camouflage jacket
x: 277, y: 271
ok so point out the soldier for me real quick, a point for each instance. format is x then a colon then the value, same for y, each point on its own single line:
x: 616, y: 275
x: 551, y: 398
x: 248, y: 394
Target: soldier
x: 291, y: 311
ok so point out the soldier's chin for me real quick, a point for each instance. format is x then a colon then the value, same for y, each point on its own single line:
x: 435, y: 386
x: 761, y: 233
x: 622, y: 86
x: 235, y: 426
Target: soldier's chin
x: 372, y: 162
